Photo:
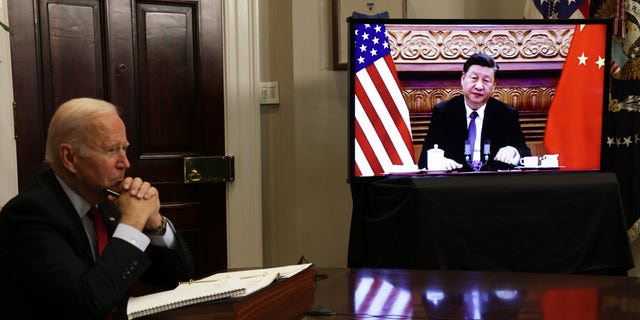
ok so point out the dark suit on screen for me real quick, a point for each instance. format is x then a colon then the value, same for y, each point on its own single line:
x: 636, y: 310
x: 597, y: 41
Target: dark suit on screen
x: 448, y: 129
x: 47, y: 269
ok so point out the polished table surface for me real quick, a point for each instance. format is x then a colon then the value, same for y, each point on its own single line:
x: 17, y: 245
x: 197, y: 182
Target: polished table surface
x: 435, y: 294
x: 556, y: 222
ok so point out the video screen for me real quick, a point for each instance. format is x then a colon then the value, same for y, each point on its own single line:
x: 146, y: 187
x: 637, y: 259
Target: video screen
x: 465, y: 96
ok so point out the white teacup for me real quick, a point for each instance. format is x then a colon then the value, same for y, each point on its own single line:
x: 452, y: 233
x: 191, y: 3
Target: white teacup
x: 549, y: 160
x: 530, y: 161
x: 435, y: 159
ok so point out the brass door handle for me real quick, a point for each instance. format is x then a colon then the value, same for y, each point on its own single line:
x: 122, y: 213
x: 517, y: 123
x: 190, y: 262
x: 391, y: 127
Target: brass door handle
x: 194, y: 176
x: 209, y: 169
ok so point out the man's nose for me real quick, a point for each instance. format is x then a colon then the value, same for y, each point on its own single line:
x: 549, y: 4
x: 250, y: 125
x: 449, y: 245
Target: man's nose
x: 123, y: 162
x: 478, y: 85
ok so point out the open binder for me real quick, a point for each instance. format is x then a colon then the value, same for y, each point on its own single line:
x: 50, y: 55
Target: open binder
x: 217, y: 286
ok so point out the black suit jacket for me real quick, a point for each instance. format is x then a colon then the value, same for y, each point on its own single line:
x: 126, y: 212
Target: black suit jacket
x: 47, y: 268
x: 448, y: 129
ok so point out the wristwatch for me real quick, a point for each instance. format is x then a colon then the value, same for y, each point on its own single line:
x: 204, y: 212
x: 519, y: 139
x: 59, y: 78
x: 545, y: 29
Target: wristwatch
x: 160, y: 230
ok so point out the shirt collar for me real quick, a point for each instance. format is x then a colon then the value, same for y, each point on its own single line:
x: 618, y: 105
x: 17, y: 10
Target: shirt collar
x: 480, y: 110
x: 82, y: 206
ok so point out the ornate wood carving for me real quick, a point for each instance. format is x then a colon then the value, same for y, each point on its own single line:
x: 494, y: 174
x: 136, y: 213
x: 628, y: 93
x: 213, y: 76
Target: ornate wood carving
x: 417, y: 47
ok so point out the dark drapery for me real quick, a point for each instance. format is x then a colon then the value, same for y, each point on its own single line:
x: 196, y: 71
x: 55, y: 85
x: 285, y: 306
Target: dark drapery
x: 555, y: 222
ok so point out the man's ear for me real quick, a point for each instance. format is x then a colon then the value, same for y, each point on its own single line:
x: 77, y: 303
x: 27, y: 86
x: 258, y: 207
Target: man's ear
x: 68, y: 157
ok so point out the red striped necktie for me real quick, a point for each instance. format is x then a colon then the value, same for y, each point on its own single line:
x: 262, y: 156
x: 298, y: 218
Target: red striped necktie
x: 101, y: 230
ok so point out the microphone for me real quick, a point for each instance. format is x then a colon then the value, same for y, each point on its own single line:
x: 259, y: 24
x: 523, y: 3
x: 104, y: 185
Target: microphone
x: 467, y: 149
x: 486, y: 150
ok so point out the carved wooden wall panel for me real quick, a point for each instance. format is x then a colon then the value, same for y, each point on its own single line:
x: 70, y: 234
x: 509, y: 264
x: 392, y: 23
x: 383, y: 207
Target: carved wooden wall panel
x: 446, y: 47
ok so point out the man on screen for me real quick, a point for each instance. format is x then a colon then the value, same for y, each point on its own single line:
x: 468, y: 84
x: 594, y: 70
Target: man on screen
x: 498, y: 142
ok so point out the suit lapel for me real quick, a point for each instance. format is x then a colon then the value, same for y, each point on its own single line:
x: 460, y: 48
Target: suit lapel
x: 487, y: 122
x: 72, y: 224
x: 461, y: 117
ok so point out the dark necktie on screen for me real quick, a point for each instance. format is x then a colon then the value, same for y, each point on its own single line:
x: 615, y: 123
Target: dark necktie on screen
x: 472, y: 132
x: 101, y: 230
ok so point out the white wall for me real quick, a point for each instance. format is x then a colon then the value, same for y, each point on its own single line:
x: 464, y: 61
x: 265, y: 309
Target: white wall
x: 465, y: 9
x: 306, y: 200
x: 8, y: 166
x: 320, y: 98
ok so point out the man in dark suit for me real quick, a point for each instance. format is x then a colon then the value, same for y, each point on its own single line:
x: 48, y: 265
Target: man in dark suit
x: 496, y: 123
x: 51, y: 262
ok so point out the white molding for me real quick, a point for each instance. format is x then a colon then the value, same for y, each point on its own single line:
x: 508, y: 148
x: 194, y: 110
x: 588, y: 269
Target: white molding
x: 242, y: 126
x: 8, y: 162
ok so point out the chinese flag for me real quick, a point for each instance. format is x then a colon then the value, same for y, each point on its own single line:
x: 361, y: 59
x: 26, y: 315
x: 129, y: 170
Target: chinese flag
x: 574, y: 124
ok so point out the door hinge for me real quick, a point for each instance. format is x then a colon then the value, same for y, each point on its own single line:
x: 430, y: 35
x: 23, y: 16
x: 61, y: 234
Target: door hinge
x: 15, y: 119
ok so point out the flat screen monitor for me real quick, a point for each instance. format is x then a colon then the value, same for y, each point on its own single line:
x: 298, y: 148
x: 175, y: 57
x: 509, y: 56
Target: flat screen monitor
x: 554, y: 74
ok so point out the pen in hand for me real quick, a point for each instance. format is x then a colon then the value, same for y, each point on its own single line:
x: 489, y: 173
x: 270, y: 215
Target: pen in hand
x: 111, y: 192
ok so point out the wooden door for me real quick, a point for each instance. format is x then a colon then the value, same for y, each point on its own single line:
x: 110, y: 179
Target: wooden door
x: 160, y: 62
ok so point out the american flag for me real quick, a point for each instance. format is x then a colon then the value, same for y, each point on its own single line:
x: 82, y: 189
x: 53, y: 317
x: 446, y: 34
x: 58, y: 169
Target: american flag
x: 557, y: 9
x: 382, y: 128
x: 622, y: 126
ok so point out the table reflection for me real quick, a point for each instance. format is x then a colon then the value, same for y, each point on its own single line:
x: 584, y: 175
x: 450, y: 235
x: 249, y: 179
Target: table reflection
x: 474, y: 295
x: 378, y: 296
x: 475, y: 304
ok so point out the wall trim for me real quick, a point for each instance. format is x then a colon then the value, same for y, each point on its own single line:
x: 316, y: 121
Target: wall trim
x: 9, y: 167
x: 242, y: 125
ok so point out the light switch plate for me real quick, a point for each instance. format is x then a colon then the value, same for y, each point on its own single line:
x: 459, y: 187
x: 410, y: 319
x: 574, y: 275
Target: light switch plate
x: 269, y: 93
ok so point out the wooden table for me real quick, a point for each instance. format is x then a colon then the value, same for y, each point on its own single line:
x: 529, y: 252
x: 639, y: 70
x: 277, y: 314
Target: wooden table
x: 425, y: 294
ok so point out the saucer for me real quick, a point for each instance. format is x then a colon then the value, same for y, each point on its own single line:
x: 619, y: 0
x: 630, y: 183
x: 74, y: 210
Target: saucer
x: 436, y: 171
x: 539, y: 168
x: 406, y: 172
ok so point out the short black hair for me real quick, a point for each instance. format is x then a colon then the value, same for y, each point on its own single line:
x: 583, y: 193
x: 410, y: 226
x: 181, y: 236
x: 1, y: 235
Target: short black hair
x: 482, y: 60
